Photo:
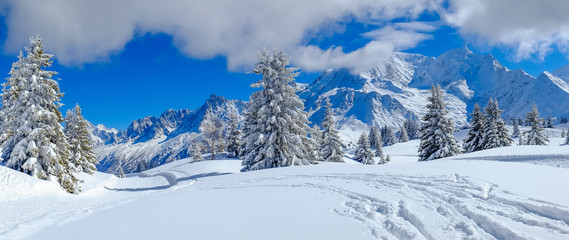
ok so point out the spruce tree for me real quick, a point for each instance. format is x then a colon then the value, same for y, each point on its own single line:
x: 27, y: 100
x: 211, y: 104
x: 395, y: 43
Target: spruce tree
x: 211, y: 128
x: 316, y: 136
x: 389, y: 137
x: 516, y: 129
x: 437, y: 140
x: 277, y: 129
x: 34, y: 142
x: 374, y: 136
x: 404, y: 137
x: 120, y: 172
x: 412, y: 128
x: 363, y: 151
x: 234, y: 137
x: 534, y: 136
x: 331, y: 148
x: 79, y: 139
x: 495, y: 131
x: 566, y: 138
x: 196, y: 149
x: 474, y: 139
x: 549, y: 122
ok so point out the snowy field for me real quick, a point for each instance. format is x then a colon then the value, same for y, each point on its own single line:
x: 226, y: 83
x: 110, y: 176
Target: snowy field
x: 517, y: 192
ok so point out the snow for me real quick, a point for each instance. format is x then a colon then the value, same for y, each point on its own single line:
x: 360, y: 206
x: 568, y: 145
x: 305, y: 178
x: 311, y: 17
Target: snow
x: 501, y: 193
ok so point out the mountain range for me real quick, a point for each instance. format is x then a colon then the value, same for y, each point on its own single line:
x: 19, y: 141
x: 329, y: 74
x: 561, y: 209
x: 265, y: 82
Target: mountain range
x: 385, y: 95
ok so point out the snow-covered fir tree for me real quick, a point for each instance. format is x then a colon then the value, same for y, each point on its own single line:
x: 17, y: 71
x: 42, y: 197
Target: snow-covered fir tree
x: 534, y: 136
x: 389, y: 136
x: 277, y: 129
x: 34, y: 142
x: 495, y: 131
x: 316, y: 136
x: 196, y: 149
x: 120, y: 172
x: 331, y: 148
x: 80, y: 145
x: 474, y: 138
x: 374, y: 136
x: 211, y: 128
x: 363, y: 151
x: 379, y: 153
x: 549, y: 122
x: 412, y: 128
x: 403, y: 136
x: 516, y: 129
x: 563, y: 133
x: 387, y: 158
x: 437, y: 140
x: 566, y: 138
x: 234, y: 137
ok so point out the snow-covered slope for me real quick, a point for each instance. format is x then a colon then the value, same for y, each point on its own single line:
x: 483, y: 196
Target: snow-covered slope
x: 153, y: 141
x: 470, y: 196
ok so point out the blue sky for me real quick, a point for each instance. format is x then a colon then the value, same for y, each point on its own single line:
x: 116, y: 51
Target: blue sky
x: 133, y: 65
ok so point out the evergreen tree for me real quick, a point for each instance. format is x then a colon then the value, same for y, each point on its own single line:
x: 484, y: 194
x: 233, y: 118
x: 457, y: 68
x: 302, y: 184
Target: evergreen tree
x: 211, y: 128
x: 516, y: 129
x: 331, y: 148
x: 534, y: 136
x: 474, y: 139
x: 563, y: 133
x: 404, y: 136
x: 437, y: 140
x: 389, y: 138
x: 379, y: 153
x: 276, y: 122
x: 387, y: 158
x: 495, y: 131
x: 316, y: 136
x: 363, y: 152
x: 374, y: 136
x: 34, y: 142
x: 549, y: 122
x: 197, y: 151
x: 566, y: 138
x: 234, y: 137
x: 412, y: 128
x: 79, y: 139
x: 120, y: 172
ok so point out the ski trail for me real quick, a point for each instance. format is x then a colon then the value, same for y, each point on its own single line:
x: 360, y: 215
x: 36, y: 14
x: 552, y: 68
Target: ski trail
x: 456, y: 207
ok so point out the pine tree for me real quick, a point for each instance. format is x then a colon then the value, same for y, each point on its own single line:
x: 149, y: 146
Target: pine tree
x: 277, y: 129
x: 316, y: 136
x: 331, y: 147
x: 516, y: 129
x: 549, y: 122
x: 563, y: 133
x: 120, y: 172
x: 412, y: 128
x: 34, y: 142
x: 211, y: 128
x: 389, y: 138
x: 234, y: 137
x: 374, y: 136
x: 80, y: 146
x: 387, y: 158
x: 534, y: 136
x: 437, y: 140
x: 474, y: 139
x: 363, y: 152
x: 495, y: 131
x: 196, y: 149
x: 566, y: 138
x: 404, y: 136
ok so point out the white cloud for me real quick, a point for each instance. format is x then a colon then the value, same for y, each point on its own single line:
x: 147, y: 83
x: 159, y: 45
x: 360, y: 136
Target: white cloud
x: 80, y: 31
x: 531, y: 28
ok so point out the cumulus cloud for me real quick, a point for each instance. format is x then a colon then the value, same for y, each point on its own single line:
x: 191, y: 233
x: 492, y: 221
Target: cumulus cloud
x: 531, y: 28
x: 81, y: 31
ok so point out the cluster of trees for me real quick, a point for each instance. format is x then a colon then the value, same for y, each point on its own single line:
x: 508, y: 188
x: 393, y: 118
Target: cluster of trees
x: 487, y: 129
x: 32, y: 137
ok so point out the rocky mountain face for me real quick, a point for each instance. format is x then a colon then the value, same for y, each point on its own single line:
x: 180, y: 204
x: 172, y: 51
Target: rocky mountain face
x: 385, y: 95
x: 153, y: 141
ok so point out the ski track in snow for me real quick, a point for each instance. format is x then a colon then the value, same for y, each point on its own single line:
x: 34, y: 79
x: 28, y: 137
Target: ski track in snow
x: 389, y: 206
x: 441, y: 207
